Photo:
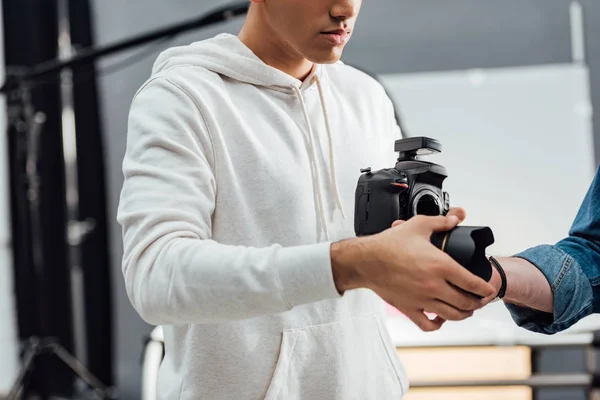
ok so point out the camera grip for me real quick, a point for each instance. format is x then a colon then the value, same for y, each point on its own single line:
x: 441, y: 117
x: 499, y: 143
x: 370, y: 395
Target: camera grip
x: 377, y: 206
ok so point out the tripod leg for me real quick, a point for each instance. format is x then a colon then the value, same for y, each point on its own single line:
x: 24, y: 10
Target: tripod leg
x: 103, y: 391
x: 81, y: 371
x: 33, y: 351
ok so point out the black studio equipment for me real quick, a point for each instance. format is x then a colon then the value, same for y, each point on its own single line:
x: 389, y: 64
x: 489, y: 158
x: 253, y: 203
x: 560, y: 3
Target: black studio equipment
x: 61, y: 269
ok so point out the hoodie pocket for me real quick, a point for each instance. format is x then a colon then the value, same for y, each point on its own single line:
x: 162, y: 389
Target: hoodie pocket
x: 350, y: 359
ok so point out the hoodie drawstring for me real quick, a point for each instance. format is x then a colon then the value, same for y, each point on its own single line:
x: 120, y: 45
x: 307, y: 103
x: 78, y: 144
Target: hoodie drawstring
x: 313, y: 164
x: 332, y: 172
x: 313, y: 159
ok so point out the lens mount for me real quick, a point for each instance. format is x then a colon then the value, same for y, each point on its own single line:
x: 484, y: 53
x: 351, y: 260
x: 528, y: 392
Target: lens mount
x: 427, y: 202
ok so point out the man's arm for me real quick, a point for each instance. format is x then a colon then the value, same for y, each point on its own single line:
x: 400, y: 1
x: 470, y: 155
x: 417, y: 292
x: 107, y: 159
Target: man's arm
x: 527, y: 285
x: 550, y: 288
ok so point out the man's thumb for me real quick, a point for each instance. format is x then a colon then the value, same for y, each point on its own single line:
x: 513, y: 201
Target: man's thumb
x: 444, y: 224
x: 398, y: 222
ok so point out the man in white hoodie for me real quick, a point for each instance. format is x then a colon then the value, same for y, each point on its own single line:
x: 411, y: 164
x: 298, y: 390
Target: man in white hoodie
x: 242, y: 159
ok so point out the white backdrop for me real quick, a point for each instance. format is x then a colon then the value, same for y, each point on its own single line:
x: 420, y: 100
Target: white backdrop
x: 8, y: 329
x: 518, y: 147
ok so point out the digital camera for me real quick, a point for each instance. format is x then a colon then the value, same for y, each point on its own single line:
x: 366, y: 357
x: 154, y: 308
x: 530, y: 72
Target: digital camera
x: 415, y: 187
x: 411, y: 188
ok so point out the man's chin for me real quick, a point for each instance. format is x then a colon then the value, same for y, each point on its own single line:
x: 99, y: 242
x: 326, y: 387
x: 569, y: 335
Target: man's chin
x: 326, y: 58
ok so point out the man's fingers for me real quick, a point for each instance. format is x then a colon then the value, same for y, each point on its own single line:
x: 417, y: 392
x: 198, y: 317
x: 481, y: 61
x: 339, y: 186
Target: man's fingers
x: 436, y: 224
x: 398, y: 222
x: 459, y: 299
x: 454, y: 217
x: 448, y: 312
x: 460, y: 213
x: 488, y: 300
x: 424, y: 323
x: 465, y: 280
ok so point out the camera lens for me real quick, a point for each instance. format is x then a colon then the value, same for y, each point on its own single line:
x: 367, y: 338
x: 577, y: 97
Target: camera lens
x: 427, y: 205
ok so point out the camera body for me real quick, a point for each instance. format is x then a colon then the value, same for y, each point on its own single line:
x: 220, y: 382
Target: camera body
x: 412, y: 187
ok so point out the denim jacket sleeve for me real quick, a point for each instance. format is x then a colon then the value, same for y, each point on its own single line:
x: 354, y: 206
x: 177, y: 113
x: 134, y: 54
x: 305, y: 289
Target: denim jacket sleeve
x: 572, y: 267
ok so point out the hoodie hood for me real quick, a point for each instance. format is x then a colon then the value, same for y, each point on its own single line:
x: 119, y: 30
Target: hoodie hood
x: 227, y: 55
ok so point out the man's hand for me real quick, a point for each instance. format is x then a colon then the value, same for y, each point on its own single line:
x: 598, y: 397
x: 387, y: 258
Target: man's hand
x: 407, y: 271
x: 458, y: 212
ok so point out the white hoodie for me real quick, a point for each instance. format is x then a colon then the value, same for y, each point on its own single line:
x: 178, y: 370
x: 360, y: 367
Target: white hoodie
x: 238, y: 177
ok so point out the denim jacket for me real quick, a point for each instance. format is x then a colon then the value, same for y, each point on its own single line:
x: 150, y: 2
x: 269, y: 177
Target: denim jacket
x: 572, y: 266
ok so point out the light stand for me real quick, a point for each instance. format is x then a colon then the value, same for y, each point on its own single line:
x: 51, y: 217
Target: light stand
x: 29, y: 122
x: 37, y: 347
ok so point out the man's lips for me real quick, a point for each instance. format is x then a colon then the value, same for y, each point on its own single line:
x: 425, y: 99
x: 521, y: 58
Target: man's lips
x: 336, y: 36
x: 336, y: 32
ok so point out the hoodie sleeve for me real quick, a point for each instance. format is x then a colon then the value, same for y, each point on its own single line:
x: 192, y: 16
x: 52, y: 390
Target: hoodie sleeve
x: 174, y: 272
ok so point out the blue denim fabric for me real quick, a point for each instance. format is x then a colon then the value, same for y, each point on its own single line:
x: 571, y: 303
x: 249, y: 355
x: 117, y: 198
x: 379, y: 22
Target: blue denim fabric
x: 572, y: 267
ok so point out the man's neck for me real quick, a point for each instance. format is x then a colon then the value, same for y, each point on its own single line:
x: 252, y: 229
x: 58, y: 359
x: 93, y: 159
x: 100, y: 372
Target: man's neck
x: 267, y: 46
